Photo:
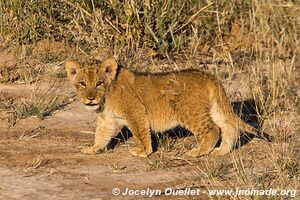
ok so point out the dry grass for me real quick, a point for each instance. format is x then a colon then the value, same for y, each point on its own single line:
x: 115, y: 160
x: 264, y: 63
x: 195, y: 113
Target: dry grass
x: 252, y: 46
x: 30, y: 169
x: 21, y: 73
x: 42, y: 102
x: 162, y: 26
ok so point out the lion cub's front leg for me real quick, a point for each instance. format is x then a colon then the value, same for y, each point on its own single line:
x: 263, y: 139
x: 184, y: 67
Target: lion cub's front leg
x: 108, y: 126
x: 140, y: 129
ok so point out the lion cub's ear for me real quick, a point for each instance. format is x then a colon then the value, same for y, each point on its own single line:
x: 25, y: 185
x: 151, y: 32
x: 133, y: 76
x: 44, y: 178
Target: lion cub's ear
x: 72, y: 68
x: 110, y: 66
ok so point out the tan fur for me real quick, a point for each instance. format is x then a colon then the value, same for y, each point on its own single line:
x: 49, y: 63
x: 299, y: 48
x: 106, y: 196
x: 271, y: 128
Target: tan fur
x: 143, y: 102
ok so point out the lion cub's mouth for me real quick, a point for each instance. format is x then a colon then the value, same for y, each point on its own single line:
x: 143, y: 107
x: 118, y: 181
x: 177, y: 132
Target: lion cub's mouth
x: 92, y: 106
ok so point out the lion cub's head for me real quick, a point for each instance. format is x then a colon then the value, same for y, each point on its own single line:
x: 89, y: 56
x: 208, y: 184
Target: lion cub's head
x: 92, y: 81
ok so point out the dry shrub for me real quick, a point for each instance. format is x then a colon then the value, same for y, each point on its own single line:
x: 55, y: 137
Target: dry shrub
x: 164, y: 26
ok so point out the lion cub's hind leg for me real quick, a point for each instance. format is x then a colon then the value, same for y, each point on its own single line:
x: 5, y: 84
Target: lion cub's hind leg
x: 229, y: 139
x: 207, y: 135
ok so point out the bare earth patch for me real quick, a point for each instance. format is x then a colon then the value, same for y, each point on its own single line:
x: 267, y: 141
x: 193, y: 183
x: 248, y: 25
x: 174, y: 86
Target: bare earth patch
x: 41, y: 159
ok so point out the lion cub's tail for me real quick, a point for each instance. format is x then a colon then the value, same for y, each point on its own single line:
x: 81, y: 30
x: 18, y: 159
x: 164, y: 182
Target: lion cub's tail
x: 241, y: 125
x: 230, y: 124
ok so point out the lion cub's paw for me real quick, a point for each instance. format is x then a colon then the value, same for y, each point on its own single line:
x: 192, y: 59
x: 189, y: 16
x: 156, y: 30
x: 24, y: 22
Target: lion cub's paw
x: 218, y: 152
x: 137, y: 151
x: 195, y: 152
x: 89, y: 150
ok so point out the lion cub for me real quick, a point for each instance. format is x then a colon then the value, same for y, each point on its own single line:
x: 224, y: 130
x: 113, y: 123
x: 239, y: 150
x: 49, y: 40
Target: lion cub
x: 192, y: 99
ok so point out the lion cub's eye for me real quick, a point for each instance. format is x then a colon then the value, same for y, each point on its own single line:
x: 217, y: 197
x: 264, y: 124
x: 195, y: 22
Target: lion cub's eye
x: 98, y: 83
x: 82, y: 84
